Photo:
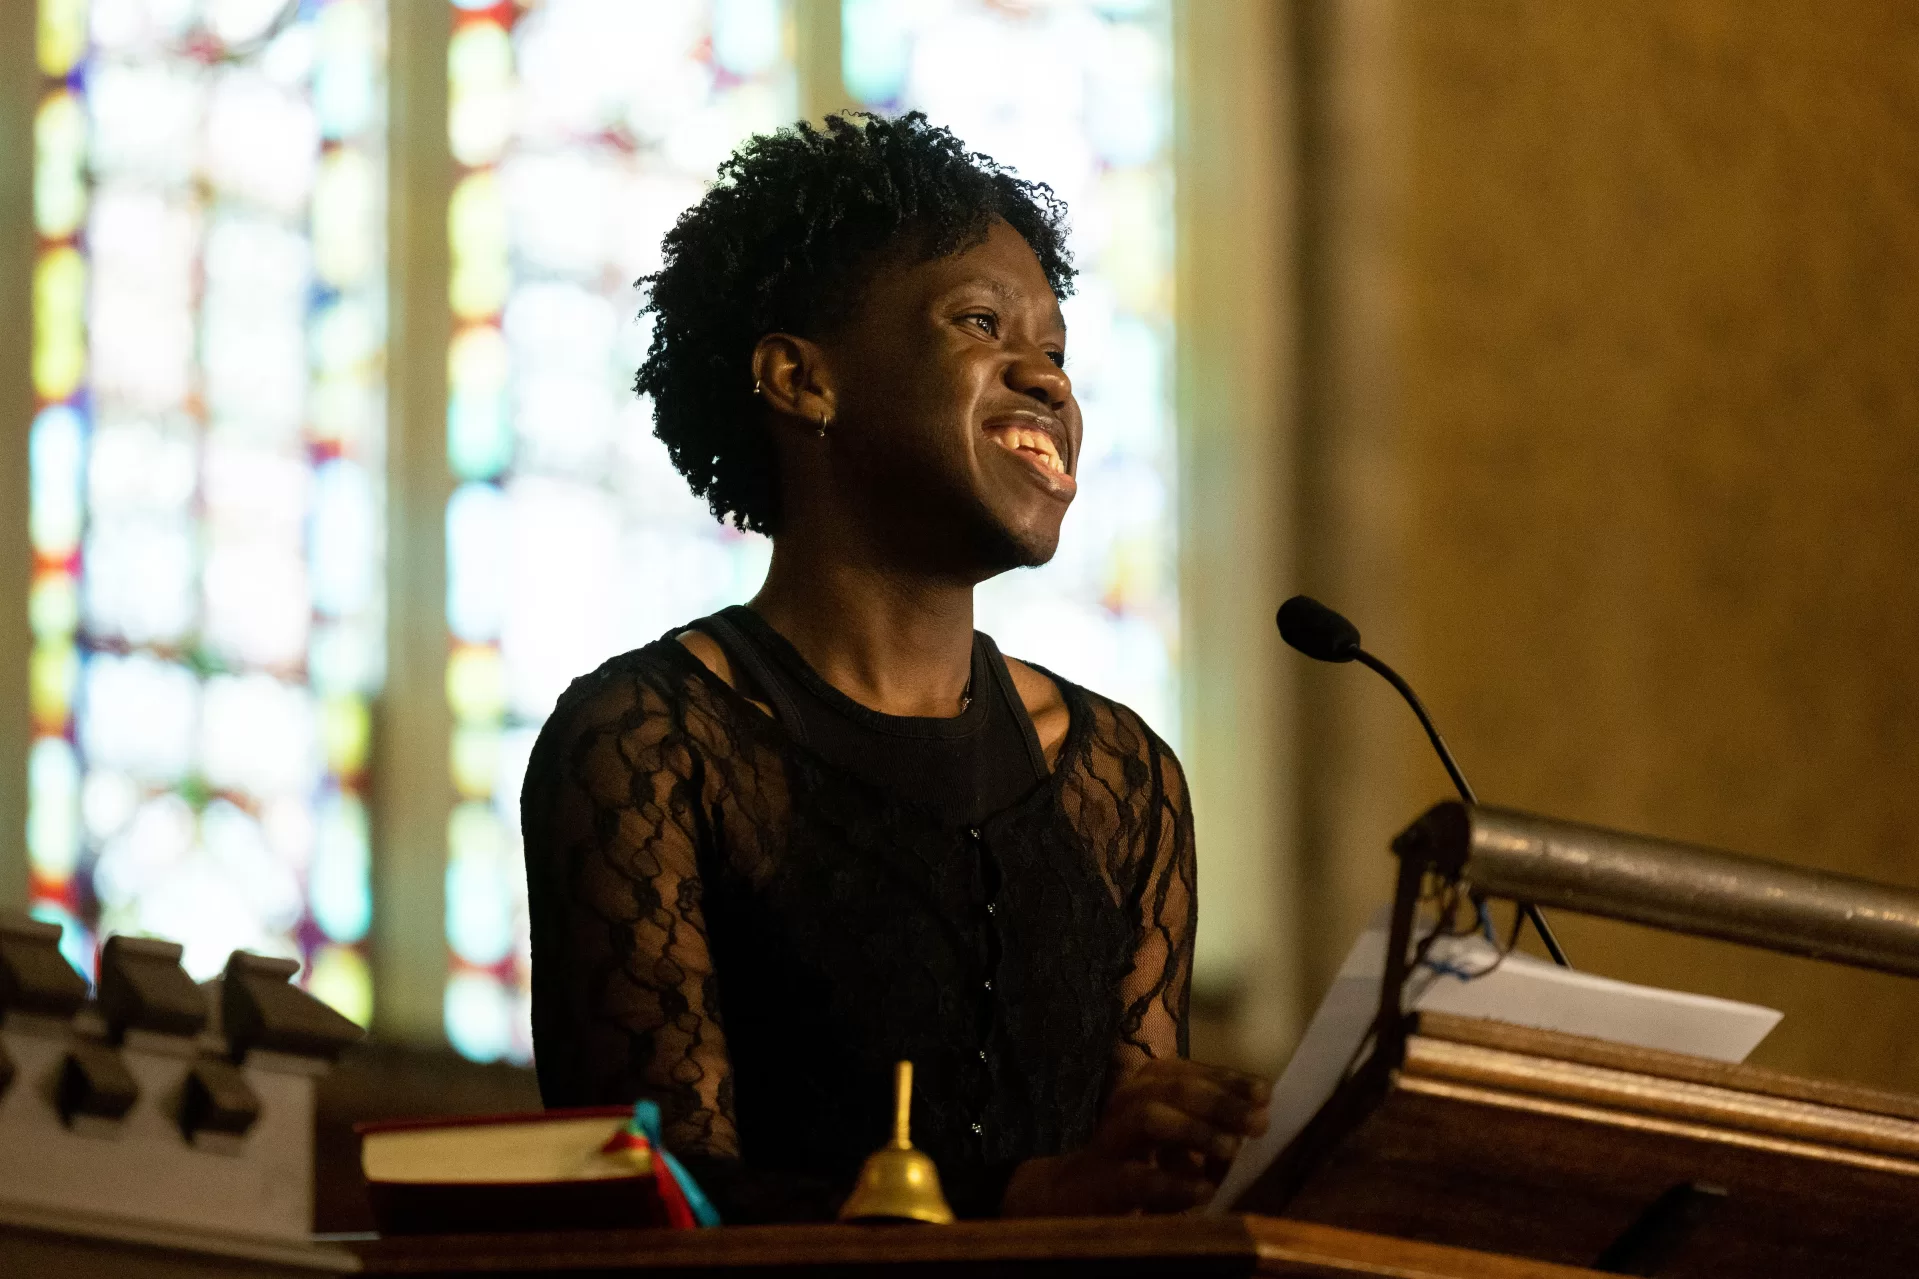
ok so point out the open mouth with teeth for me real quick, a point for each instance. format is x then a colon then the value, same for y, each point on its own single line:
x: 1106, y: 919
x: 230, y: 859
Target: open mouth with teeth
x: 1036, y: 446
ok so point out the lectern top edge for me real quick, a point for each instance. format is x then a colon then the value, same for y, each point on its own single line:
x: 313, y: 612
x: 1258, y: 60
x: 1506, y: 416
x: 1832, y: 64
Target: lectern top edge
x: 1665, y: 884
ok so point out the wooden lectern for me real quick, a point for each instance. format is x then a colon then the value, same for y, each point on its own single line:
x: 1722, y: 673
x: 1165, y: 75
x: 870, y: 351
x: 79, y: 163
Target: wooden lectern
x: 1550, y: 1146
x: 1566, y: 1149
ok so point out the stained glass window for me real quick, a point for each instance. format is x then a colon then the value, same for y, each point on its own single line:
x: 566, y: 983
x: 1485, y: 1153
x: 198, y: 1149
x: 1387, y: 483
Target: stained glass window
x: 581, y: 128
x: 205, y: 460
x: 1077, y: 94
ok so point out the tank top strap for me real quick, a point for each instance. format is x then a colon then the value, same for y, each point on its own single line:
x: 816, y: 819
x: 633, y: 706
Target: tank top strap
x: 746, y: 656
x: 1003, y: 676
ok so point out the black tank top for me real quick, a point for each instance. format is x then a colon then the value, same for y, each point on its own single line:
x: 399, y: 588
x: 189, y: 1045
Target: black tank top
x: 966, y: 767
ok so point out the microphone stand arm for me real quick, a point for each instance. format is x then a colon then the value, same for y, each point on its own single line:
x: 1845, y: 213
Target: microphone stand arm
x: 1405, y: 690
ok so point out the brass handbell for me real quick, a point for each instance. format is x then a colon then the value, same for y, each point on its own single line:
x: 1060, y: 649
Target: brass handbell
x: 898, y: 1182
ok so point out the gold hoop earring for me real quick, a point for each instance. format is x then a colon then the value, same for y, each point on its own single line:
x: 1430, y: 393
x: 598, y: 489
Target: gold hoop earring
x: 756, y: 386
x: 822, y: 430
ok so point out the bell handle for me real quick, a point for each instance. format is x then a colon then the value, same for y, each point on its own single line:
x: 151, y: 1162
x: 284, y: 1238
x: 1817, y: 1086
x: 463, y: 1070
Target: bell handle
x: 902, y: 1105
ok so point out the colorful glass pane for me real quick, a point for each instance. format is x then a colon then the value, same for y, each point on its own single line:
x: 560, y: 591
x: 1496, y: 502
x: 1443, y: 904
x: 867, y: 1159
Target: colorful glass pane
x: 581, y: 128
x: 1095, y: 125
x: 205, y: 461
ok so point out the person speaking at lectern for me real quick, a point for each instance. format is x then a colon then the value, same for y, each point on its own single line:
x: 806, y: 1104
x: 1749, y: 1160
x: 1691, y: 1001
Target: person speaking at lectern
x: 787, y: 845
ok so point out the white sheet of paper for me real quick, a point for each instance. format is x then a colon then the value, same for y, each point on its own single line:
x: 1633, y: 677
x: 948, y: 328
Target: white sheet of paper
x: 1522, y: 991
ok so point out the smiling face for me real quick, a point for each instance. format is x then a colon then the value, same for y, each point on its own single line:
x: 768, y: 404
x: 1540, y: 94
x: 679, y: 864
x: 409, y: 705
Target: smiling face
x: 953, y: 420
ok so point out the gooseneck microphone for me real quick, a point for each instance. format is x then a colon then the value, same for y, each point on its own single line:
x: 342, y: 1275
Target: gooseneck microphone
x: 1326, y: 636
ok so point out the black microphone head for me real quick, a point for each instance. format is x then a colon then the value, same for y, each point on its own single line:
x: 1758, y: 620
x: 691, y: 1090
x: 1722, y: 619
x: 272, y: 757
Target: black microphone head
x: 1317, y: 631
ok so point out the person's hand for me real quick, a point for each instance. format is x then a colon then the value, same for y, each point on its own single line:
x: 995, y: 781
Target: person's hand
x: 1169, y: 1132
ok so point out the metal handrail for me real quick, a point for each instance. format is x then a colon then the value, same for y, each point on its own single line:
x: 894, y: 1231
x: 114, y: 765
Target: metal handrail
x: 1680, y: 887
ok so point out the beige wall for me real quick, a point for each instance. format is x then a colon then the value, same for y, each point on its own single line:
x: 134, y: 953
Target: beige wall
x: 412, y: 787
x: 19, y: 94
x: 1235, y: 341
x: 1613, y: 434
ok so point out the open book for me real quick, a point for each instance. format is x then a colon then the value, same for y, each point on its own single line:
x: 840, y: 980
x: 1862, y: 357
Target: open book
x: 1465, y: 976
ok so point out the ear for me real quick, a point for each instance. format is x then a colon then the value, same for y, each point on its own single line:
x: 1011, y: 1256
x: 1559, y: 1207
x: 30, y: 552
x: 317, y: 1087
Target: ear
x: 794, y: 380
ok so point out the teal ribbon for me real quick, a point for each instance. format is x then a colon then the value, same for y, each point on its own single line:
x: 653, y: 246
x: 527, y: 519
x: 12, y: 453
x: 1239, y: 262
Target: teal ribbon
x: 646, y: 1123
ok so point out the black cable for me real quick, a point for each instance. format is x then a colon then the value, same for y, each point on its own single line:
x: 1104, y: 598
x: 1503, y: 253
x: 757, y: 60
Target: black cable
x: 1391, y: 676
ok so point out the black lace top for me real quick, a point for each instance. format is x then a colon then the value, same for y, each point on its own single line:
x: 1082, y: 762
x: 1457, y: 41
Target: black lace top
x: 968, y: 766
x: 728, y: 922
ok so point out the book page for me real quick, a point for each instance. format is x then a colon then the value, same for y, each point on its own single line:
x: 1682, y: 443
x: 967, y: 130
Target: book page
x: 537, y: 1149
x: 1519, y: 990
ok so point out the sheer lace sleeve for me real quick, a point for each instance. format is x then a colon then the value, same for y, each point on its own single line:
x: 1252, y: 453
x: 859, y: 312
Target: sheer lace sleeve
x: 618, y: 797
x: 1165, y: 912
x: 1128, y: 795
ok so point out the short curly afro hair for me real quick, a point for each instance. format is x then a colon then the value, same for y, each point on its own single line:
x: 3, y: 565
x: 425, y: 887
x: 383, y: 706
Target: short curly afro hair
x: 785, y: 242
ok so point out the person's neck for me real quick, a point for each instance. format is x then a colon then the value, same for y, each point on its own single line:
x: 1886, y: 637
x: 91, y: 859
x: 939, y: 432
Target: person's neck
x: 893, y: 640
